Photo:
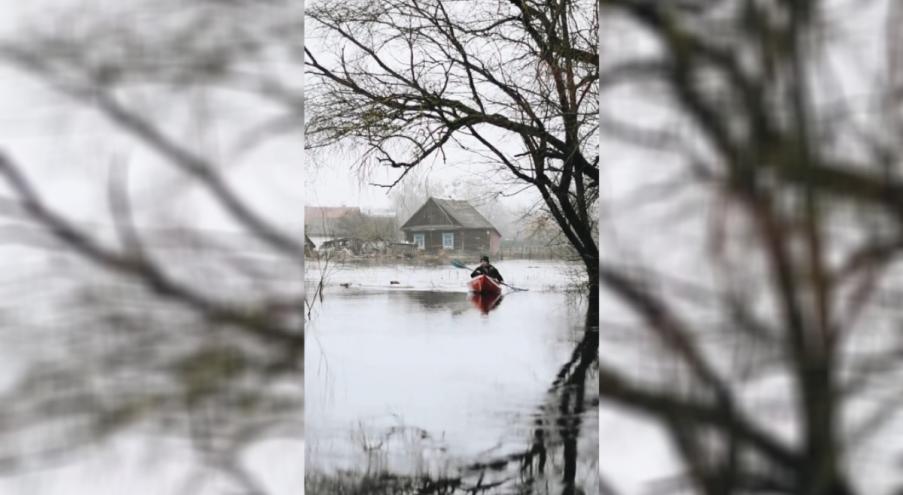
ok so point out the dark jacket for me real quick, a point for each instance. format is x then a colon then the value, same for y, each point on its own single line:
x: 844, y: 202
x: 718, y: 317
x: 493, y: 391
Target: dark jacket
x: 489, y: 270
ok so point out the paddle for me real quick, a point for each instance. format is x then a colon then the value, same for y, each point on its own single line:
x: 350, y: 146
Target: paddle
x: 459, y: 264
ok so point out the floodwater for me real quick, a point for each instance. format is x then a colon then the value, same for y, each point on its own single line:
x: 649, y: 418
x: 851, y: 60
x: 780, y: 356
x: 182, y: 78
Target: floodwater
x: 409, y: 375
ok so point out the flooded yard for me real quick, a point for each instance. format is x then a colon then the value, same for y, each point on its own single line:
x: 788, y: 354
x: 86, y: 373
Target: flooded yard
x: 419, y: 380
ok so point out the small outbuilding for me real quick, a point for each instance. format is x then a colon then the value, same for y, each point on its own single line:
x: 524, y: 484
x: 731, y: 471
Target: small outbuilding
x: 346, y: 245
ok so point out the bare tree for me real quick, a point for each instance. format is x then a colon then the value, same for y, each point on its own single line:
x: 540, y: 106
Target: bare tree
x: 510, y: 82
x: 804, y: 186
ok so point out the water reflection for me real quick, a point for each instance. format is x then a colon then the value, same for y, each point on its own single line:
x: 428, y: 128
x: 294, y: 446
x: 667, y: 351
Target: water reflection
x: 557, y: 425
x: 485, y: 302
x: 431, y: 300
x: 455, y: 302
x: 420, y: 392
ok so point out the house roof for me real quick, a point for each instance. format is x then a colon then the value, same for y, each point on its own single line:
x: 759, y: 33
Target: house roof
x: 460, y: 212
x: 436, y: 228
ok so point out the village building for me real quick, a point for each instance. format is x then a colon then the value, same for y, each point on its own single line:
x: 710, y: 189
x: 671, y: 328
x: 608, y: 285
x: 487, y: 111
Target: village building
x: 451, y: 225
x: 324, y: 222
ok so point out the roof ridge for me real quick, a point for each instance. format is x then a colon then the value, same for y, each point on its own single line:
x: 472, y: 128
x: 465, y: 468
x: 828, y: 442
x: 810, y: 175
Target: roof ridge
x: 460, y: 211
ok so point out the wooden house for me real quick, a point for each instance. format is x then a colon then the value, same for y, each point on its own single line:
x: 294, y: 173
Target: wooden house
x: 451, y: 225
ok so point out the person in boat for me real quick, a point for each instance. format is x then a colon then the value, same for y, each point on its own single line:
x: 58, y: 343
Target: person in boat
x: 487, y: 269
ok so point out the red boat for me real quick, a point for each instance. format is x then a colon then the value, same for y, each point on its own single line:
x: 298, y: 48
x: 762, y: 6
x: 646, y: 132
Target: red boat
x: 482, y: 284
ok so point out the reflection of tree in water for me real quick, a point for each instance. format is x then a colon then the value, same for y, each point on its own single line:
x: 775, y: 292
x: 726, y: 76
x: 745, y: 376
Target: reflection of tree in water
x: 561, y: 426
x: 549, y: 464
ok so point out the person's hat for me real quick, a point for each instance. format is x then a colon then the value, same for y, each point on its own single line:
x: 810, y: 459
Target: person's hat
x: 484, y: 258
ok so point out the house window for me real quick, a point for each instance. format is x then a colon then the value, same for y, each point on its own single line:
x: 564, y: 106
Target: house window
x: 420, y: 241
x: 448, y: 240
